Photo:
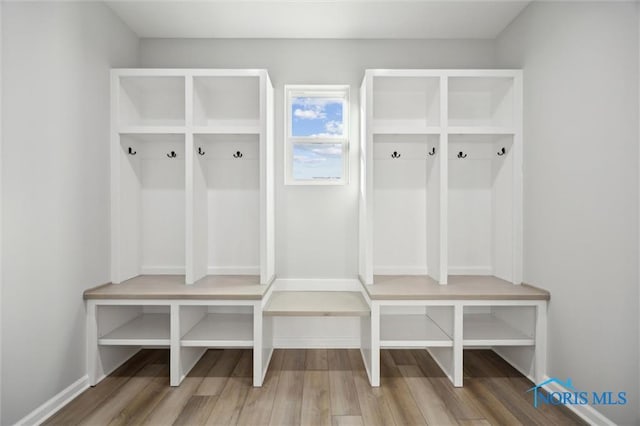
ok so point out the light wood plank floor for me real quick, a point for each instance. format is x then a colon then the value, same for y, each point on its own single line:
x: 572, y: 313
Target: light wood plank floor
x: 312, y: 387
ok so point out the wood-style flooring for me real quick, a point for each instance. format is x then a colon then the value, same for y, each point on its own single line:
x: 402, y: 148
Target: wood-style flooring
x: 312, y: 387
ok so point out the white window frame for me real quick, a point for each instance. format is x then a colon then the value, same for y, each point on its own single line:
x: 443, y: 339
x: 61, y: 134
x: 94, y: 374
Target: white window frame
x: 334, y: 91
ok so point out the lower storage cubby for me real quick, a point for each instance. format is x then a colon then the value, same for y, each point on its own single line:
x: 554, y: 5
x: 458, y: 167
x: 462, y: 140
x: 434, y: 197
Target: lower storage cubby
x: 214, y: 326
x: 134, y: 326
x: 499, y: 326
x: 410, y: 327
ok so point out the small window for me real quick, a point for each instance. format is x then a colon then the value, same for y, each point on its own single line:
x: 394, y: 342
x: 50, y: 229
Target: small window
x: 317, y: 129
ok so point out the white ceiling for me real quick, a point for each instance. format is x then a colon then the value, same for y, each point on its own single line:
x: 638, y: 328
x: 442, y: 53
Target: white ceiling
x: 370, y: 19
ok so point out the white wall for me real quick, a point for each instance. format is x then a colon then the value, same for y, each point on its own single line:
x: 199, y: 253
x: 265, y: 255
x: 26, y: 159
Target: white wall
x: 580, y: 64
x: 316, y: 227
x: 55, y: 175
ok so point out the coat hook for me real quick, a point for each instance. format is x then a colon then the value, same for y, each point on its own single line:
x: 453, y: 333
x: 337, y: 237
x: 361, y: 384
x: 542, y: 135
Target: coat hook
x: 200, y: 151
x: 238, y: 154
x: 172, y: 154
x: 462, y: 155
x: 433, y: 151
x: 395, y: 154
x: 132, y: 152
x: 502, y: 152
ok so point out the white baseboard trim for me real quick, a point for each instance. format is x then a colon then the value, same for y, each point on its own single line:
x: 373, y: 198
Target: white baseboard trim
x: 54, y: 404
x: 316, y: 284
x: 233, y: 270
x: 162, y: 270
x: 320, y: 343
x: 470, y: 270
x: 400, y: 270
x: 585, y: 412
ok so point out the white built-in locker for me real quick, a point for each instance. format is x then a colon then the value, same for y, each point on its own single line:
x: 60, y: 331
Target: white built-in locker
x: 192, y: 173
x: 441, y: 178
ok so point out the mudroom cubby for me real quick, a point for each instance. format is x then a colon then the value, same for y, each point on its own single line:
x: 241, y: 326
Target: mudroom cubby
x: 484, y: 100
x: 192, y: 173
x: 133, y: 325
x: 227, y: 204
x: 227, y: 103
x: 406, y: 196
x: 483, y: 227
x: 148, y: 199
x: 405, y: 104
x: 441, y: 186
x: 146, y: 101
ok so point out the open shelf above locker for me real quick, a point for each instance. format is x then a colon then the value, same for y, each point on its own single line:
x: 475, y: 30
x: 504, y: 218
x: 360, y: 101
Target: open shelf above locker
x: 221, y: 330
x: 413, y: 330
x: 151, y: 101
x: 488, y: 330
x: 406, y: 104
x: 225, y: 104
x: 481, y: 102
x: 144, y: 330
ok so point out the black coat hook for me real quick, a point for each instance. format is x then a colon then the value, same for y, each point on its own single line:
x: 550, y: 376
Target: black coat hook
x: 238, y: 154
x: 132, y: 152
x: 200, y: 151
x: 433, y: 151
x: 395, y: 154
x: 462, y: 155
x: 172, y: 154
x: 502, y: 152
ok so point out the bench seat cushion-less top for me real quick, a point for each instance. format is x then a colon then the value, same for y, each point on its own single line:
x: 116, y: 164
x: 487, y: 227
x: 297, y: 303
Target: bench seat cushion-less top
x: 218, y: 287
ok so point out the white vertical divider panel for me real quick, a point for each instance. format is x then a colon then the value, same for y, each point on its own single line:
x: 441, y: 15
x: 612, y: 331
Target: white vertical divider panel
x: 540, y: 369
x: 190, y: 177
x: 257, y: 345
x: 443, y: 156
x: 458, y: 338
x: 366, y: 179
x: 517, y: 178
x: 115, y: 180
x: 267, y: 181
x: 174, y: 347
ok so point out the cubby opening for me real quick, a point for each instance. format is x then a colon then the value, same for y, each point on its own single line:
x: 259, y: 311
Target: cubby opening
x: 406, y: 104
x: 151, y: 205
x: 489, y: 326
x: 227, y: 204
x: 227, y: 104
x: 151, y: 101
x: 216, y: 326
x: 481, y: 102
x: 406, y: 199
x: 416, y: 326
x: 137, y: 325
x: 481, y: 206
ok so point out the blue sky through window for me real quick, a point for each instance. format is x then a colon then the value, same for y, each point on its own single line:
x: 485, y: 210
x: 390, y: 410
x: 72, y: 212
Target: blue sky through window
x: 317, y: 117
x: 321, y: 161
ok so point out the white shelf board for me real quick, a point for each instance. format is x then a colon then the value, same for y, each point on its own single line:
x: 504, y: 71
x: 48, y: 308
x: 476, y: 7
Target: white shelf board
x: 156, y: 130
x: 316, y: 303
x: 487, y: 330
x: 415, y: 330
x: 480, y: 130
x: 228, y: 129
x: 221, y: 330
x: 144, y: 330
x: 390, y: 128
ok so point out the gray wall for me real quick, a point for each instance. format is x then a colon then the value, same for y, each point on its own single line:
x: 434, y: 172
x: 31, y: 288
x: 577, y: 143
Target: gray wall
x: 580, y: 63
x: 316, y: 226
x: 55, y: 175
